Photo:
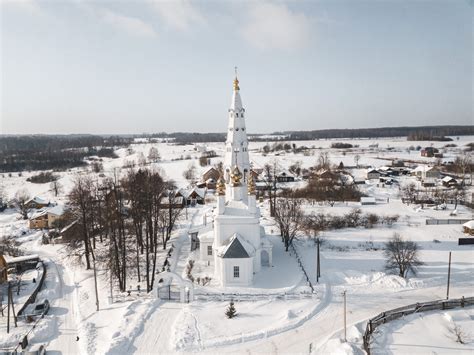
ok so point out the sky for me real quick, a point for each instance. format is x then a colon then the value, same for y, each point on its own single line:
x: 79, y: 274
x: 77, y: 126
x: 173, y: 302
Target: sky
x: 136, y: 66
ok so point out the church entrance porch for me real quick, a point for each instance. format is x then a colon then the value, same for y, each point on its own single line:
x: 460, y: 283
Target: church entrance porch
x: 172, y: 287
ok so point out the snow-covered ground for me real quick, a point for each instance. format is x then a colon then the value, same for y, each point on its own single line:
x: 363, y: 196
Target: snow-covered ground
x: 446, y: 332
x: 352, y: 261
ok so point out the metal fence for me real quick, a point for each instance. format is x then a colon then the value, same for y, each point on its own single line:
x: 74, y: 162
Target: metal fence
x: 396, y: 313
x: 433, y: 221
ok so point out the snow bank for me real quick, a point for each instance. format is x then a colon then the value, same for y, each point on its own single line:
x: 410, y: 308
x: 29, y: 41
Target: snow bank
x: 132, y: 325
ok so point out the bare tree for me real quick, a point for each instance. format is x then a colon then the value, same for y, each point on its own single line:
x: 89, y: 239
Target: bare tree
x: 270, y: 173
x: 323, y: 161
x: 409, y: 192
x: 290, y: 218
x: 401, y: 255
x: 190, y: 173
x: 357, y: 159
x: 81, y: 204
x: 154, y: 155
x: 463, y: 164
x: 21, y: 198
x: 56, y: 187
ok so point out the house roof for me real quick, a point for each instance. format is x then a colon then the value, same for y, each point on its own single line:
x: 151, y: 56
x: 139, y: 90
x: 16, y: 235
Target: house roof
x: 201, y: 192
x: 38, y: 200
x: 56, y: 210
x: 19, y: 259
x: 68, y: 226
x: 235, y: 249
x: 367, y: 199
x: 448, y: 179
x: 469, y: 224
x: 373, y: 171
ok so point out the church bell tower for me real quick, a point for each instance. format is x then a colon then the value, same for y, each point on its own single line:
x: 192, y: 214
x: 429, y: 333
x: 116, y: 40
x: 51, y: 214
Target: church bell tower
x: 236, y: 145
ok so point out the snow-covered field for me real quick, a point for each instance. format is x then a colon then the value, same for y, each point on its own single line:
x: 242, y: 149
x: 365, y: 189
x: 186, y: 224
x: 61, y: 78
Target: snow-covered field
x: 352, y: 261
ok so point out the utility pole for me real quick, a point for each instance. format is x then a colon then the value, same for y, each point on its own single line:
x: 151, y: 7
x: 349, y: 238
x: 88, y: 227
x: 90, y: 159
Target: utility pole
x: 318, y: 263
x: 95, y: 285
x: 345, y: 319
x: 8, y: 314
x: 449, y: 276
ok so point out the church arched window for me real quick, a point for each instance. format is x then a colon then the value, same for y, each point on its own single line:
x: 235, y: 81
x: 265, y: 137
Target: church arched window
x: 237, y: 129
x: 236, y: 115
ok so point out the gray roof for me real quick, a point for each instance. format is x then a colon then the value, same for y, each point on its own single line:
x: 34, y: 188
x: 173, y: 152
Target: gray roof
x: 236, y: 250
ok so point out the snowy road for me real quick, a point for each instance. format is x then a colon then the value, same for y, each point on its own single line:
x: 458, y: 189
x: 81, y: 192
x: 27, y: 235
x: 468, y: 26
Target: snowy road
x: 60, y: 290
x: 157, y: 331
x: 64, y: 308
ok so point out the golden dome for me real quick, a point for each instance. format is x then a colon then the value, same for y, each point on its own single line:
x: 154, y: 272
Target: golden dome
x: 220, y: 187
x: 236, y: 176
x: 251, y: 186
x: 236, y: 84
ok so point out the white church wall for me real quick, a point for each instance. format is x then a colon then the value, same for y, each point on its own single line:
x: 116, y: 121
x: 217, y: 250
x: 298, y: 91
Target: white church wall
x: 245, y: 272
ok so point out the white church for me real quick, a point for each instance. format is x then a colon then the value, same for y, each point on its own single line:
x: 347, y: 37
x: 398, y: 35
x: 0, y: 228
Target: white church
x: 237, y: 243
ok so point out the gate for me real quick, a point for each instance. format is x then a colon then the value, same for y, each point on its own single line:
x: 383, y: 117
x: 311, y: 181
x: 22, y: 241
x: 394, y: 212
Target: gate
x: 169, y: 292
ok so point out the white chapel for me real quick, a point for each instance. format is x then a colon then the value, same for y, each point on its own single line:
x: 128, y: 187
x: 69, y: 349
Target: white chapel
x: 237, y: 244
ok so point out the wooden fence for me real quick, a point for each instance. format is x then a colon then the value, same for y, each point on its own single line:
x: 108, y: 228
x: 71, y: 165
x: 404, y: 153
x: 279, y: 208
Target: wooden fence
x: 32, y: 297
x: 300, y: 263
x: 396, y: 313
x: 433, y: 221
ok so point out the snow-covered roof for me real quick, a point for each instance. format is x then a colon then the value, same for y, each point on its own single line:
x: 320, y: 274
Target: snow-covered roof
x: 372, y: 170
x: 68, y: 226
x: 38, y: 200
x: 448, y: 179
x: 19, y: 259
x: 201, y: 192
x: 367, y: 199
x: 56, y: 210
x: 469, y: 224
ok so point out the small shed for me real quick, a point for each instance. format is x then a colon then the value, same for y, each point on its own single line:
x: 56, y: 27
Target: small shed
x: 468, y: 227
x: 22, y: 263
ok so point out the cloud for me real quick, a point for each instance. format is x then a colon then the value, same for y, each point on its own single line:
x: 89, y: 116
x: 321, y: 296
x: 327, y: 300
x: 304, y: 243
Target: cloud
x: 275, y: 26
x: 131, y: 25
x: 178, y: 14
x: 30, y: 6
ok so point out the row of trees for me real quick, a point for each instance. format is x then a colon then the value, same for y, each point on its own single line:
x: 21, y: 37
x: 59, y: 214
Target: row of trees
x: 124, y: 222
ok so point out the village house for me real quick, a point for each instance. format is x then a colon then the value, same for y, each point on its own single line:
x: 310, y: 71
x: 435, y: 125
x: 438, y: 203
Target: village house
x: 449, y: 181
x: 429, y: 152
x: 209, y: 179
x: 36, y: 203
x: 193, y: 196
x: 285, y: 176
x: 72, y: 232
x: 45, y: 218
x: 426, y: 172
x: 373, y: 174
x: 3, y: 269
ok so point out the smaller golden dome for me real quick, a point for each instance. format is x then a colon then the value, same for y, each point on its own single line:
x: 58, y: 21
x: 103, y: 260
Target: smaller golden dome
x: 220, y: 187
x: 251, y: 186
x: 236, y: 84
x: 236, y: 176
